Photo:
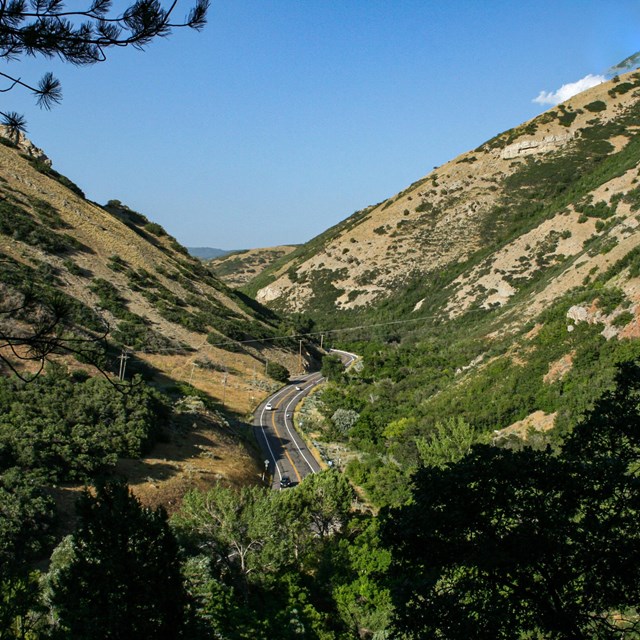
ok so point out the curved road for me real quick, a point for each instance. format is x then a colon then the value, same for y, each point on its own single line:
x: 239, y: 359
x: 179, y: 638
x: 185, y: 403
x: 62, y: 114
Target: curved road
x: 284, y: 450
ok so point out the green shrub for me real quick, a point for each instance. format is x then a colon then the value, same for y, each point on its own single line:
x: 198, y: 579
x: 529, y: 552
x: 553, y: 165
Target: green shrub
x: 155, y: 228
x: 619, y: 89
x: 596, y: 106
x: 109, y: 297
x: 16, y: 223
x: 71, y: 430
x: 567, y: 117
x: 116, y: 263
x: 72, y: 267
x: 623, y: 319
x: 278, y: 372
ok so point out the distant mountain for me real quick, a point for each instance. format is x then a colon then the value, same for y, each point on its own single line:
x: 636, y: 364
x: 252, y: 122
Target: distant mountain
x: 238, y: 268
x: 628, y: 64
x: 207, y: 253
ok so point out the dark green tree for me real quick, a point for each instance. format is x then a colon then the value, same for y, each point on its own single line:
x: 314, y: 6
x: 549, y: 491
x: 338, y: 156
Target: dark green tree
x: 506, y: 544
x: 332, y: 367
x: 238, y: 530
x: 70, y: 430
x: 123, y: 578
x: 327, y: 497
x: 26, y: 524
x: 360, y: 563
x: 213, y: 610
x: 278, y: 372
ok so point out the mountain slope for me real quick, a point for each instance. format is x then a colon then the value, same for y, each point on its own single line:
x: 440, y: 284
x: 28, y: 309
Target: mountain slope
x: 112, y: 265
x: 497, y: 298
x: 207, y: 253
x: 240, y: 267
x: 553, y: 197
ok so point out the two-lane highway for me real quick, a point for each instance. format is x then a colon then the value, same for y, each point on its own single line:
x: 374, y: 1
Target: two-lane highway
x: 285, y: 450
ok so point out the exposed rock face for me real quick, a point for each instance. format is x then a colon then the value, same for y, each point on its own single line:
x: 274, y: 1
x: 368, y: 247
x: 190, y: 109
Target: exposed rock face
x: 25, y: 145
x: 273, y: 292
x: 577, y: 314
x: 582, y: 314
x: 530, y: 147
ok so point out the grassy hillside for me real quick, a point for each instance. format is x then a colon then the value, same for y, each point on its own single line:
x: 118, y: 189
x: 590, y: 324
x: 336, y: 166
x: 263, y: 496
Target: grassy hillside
x: 240, y: 267
x: 111, y: 269
x: 505, y: 294
x: 528, y: 206
x: 157, y: 301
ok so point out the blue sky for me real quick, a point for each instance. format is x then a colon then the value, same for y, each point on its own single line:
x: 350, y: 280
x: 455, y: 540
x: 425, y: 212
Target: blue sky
x: 283, y: 117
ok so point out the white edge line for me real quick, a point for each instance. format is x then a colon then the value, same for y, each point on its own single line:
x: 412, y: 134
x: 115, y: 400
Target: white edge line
x: 264, y: 435
x: 286, y: 423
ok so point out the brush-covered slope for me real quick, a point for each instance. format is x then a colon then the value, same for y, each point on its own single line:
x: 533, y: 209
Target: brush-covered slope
x: 240, y: 267
x: 498, y: 302
x: 548, y: 202
x: 115, y: 268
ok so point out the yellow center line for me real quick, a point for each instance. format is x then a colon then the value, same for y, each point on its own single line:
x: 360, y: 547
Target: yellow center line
x: 273, y: 421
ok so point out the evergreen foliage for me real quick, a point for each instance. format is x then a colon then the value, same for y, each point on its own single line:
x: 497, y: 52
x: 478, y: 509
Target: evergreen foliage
x: 278, y: 372
x: 122, y: 578
x: 527, y: 544
x: 69, y: 430
x: 80, y: 36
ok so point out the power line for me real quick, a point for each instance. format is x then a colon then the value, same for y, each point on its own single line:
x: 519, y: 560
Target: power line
x: 329, y: 331
x: 258, y: 341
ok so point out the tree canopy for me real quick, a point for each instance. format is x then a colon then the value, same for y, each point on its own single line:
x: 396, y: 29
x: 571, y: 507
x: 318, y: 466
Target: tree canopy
x: 120, y: 577
x: 507, y: 544
x: 79, y: 36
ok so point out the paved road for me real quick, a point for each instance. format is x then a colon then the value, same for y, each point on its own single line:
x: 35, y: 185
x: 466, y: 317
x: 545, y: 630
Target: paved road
x: 283, y: 448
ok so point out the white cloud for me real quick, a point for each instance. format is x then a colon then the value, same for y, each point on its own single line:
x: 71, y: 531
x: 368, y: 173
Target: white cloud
x: 567, y: 91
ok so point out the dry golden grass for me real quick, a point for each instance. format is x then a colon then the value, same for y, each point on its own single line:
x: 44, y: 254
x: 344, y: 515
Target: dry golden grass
x: 207, y: 451
x: 200, y: 453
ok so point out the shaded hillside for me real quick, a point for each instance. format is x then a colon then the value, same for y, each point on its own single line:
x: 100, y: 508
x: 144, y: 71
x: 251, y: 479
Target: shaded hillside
x: 239, y: 268
x: 549, y: 201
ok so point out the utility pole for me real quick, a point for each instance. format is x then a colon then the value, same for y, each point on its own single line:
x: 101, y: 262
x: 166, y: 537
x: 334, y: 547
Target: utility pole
x: 321, y: 339
x: 193, y: 367
x: 123, y: 357
x: 224, y: 389
x: 300, y: 358
x: 254, y: 383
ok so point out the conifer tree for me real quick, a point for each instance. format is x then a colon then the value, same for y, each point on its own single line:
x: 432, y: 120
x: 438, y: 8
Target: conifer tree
x: 81, y: 36
x: 123, y: 578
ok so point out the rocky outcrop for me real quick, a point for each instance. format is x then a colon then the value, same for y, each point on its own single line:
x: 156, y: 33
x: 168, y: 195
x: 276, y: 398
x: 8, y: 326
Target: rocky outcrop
x: 530, y: 147
x: 25, y: 145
